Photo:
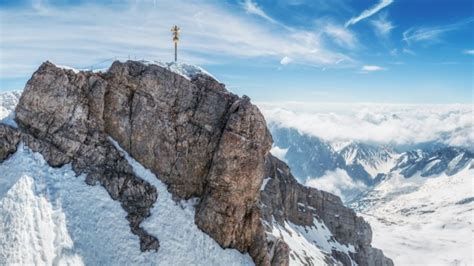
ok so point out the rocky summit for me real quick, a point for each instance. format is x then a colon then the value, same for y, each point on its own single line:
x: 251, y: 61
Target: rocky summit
x: 199, y: 139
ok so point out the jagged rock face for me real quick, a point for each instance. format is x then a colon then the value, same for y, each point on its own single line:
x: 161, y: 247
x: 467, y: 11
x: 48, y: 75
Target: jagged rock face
x: 234, y: 181
x: 201, y: 140
x: 169, y: 124
x: 284, y: 199
x: 60, y: 113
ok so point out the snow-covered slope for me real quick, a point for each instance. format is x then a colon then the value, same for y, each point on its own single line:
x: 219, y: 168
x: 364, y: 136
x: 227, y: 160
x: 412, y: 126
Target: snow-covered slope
x: 48, y: 216
x: 33, y: 230
x: 425, y: 218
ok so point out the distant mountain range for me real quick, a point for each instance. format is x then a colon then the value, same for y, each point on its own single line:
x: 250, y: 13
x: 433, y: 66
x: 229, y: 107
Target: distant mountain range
x: 311, y: 158
x: 419, y: 201
x: 417, y: 164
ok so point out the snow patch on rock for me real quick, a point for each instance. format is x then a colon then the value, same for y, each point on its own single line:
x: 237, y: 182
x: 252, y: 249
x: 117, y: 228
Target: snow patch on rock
x: 186, y: 70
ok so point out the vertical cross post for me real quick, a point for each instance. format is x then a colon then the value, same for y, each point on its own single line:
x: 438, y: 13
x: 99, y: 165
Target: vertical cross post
x: 175, y: 30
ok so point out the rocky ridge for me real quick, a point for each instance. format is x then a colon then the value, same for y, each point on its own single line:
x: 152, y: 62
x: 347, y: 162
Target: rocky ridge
x: 199, y: 139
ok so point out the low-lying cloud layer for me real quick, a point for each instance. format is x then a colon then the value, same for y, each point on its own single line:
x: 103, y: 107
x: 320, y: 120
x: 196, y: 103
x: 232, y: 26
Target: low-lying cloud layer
x: 337, y: 182
x: 396, y: 124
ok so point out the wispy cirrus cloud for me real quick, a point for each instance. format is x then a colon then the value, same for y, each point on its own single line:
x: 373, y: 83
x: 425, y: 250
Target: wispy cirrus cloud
x: 83, y: 34
x: 433, y: 34
x: 382, y: 26
x: 368, y: 12
x: 252, y: 8
x: 341, y: 36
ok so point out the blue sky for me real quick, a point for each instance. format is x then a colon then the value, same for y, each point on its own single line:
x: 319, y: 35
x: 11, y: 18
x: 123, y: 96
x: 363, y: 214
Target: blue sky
x: 403, y: 51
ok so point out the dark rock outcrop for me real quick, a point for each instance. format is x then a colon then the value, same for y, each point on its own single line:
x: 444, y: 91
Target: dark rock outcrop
x: 9, y: 138
x: 197, y: 137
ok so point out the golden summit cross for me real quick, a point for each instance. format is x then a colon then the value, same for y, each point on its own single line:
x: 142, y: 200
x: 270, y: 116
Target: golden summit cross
x: 175, y: 30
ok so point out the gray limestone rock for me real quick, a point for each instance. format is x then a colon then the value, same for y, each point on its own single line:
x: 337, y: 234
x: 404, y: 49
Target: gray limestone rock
x: 9, y: 138
x: 60, y: 115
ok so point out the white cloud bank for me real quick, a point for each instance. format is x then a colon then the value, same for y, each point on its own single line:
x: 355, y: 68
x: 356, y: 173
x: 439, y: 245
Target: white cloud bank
x: 369, y: 12
x: 397, y: 124
x: 337, y: 182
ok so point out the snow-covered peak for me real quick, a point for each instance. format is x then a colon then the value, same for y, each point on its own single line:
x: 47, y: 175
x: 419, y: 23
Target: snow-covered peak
x: 186, y: 70
x: 356, y: 152
x: 339, y: 145
x: 374, y: 159
x: 449, y: 160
